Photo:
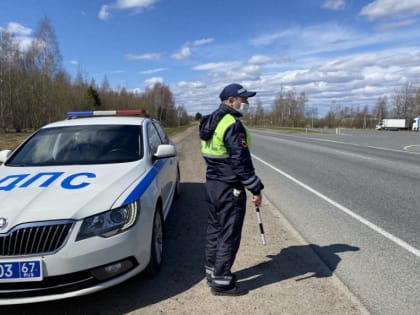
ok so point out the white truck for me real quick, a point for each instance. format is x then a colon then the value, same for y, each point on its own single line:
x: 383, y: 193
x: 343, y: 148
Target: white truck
x: 416, y: 124
x: 393, y: 124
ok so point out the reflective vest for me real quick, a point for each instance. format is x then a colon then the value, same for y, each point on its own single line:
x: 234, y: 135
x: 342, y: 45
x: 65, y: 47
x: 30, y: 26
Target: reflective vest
x: 214, y: 147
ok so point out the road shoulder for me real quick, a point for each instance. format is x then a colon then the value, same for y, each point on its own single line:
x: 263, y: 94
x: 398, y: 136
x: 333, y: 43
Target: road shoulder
x: 284, y: 277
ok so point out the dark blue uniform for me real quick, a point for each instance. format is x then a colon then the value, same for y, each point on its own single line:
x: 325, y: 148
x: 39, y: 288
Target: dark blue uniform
x: 229, y: 171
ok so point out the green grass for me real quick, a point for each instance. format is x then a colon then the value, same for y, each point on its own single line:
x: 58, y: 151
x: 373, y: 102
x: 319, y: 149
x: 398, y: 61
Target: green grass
x: 10, y: 140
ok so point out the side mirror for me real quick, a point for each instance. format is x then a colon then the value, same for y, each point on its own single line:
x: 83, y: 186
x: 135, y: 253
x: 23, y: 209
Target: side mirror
x: 4, y: 154
x: 165, y: 151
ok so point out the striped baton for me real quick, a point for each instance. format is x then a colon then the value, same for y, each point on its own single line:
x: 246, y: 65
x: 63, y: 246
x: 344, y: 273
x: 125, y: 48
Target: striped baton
x: 261, y: 225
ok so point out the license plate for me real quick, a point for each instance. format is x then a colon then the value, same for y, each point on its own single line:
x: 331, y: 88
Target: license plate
x: 16, y: 271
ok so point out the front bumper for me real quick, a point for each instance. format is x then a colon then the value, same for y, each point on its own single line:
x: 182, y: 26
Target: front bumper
x: 84, y: 267
x: 69, y: 285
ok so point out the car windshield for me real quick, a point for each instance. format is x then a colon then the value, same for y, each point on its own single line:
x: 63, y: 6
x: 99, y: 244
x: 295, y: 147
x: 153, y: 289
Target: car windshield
x: 92, y: 144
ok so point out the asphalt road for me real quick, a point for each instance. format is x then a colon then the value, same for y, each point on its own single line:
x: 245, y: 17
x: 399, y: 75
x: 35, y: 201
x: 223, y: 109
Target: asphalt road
x: 358, y: 194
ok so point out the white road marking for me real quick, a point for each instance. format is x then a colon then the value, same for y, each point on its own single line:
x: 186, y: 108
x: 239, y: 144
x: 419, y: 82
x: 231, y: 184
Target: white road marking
x: 353, y: 155
x: 347, y: 211
x: 414, y: 147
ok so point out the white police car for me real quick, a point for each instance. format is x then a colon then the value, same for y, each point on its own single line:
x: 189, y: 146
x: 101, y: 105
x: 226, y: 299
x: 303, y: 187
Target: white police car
x: 83, y: 204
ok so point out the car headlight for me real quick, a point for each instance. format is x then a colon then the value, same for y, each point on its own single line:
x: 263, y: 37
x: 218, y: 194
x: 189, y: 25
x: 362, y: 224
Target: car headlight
x: 109, y: 223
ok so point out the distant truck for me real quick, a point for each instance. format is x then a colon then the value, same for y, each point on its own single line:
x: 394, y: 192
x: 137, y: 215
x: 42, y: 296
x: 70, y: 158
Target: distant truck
x: 393, y: 124
x: 416, y: 124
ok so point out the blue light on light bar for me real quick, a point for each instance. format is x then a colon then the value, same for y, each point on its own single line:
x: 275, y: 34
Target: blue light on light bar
x: 78, y: 114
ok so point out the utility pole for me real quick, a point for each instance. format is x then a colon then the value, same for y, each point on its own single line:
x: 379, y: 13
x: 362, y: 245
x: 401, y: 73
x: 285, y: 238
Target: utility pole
x: 312, y: 122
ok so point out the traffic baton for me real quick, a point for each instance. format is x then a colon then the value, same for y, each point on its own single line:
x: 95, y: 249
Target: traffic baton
x: 261, y: 225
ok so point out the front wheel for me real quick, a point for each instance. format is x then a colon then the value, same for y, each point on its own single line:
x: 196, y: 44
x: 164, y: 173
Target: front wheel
x: 156, y: 246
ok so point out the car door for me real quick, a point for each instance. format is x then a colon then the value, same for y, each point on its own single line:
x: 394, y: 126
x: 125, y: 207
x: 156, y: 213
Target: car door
x: 165, y: 167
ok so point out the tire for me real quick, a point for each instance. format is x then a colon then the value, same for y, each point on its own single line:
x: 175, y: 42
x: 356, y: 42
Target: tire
x: 156, y: 246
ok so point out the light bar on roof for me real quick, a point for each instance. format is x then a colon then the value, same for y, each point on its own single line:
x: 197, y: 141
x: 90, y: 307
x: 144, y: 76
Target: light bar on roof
x: 120, y: 112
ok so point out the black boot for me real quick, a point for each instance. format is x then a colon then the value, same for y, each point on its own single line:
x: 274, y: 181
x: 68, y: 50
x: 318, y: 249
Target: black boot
x: 226, y: 286
x: 232, y: 291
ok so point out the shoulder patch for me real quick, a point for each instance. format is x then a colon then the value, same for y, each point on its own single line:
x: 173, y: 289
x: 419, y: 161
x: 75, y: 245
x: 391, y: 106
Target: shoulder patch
x: 242, y: 140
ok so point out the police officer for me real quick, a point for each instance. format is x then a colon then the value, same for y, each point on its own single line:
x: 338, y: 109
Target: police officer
x: 225, y: 145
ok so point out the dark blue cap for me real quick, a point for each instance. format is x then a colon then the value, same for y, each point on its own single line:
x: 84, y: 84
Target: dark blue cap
x: 235, y: 90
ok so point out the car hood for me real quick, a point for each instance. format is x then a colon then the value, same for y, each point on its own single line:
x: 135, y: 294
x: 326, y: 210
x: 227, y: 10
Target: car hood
x: 65, y: 192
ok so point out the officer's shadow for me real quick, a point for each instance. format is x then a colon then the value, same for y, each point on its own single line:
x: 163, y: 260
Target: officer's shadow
x: 292, y: 262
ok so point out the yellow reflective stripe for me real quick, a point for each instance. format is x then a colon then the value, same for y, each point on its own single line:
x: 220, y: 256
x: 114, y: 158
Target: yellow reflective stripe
x: 215, y: 146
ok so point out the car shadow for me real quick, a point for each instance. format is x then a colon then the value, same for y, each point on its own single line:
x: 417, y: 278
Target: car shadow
x: 183, y: 266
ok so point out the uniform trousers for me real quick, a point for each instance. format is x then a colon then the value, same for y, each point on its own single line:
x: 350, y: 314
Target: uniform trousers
x: 226, y: 213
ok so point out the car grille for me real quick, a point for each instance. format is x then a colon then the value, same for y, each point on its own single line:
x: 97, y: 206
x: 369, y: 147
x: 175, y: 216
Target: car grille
x: 35, y: 238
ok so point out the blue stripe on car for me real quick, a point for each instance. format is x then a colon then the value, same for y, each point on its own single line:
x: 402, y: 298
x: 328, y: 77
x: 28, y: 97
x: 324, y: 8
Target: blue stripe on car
x: 144, y: 183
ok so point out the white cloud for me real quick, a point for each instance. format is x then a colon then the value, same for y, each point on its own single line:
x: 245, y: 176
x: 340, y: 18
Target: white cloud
x: 191, y: 84
x: 203, y: 41
x: 183, y: 53
x: 234, y: 70
x: 152, y: 81
x: 149, y: 56
x: 103, y: 13
x: 322, y: 37
x: 24, y: 42
x: 260, y: 59
x: 18, y: 29
x: 351, y: 80
x: 213, y: 66
x: 268, y: 39
x: 21, y: 35
x: 132, y: 4
x: 397, y: 24
x: 74, y: 62
x: 151, y: 71
x: 334, y: 4
x: 330, y: 37
x: 240, y: 75
x: 136, y: 90
x: 389, y: 8
x: 359, y: 66
x: 136, y: 6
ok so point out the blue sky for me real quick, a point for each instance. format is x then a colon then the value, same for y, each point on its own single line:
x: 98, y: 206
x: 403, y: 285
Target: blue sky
x: 339, y: 52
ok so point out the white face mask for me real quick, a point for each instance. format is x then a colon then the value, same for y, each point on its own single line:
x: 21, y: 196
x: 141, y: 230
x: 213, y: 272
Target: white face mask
x: 244, y: 108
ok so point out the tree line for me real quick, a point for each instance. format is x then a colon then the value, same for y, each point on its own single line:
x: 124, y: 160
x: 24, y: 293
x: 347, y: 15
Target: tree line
x: 35, y: 90
x: 290, y: 109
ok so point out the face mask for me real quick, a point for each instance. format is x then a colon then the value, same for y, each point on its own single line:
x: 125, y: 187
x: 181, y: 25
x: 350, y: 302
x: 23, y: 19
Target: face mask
x: 244, y: 108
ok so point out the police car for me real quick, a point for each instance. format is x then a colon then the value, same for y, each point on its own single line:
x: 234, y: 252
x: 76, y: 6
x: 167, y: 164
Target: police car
x: 83, y: 204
